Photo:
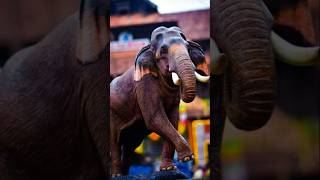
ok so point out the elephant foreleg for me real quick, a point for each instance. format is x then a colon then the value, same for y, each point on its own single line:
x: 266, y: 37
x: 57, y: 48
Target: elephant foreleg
x: 155, y: 117
x: 162, y: 126
x: 115, y: 157
x: 167, y: 157
x: 168, y: 148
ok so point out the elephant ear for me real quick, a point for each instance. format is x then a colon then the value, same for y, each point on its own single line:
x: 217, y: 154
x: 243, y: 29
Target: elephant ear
x: 197, y: 56
x: 92, y: 35
x: 145, y: 63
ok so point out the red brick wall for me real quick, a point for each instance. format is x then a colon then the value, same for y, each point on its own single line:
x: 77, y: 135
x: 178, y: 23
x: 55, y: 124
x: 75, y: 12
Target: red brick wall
x: 121, y: 61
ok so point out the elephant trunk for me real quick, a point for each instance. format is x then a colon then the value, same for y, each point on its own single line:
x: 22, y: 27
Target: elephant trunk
x: 185, y: 70
x: 242, y: 30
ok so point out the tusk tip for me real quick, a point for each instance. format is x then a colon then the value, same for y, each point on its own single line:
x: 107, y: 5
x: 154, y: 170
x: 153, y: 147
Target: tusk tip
x: 201, y: 78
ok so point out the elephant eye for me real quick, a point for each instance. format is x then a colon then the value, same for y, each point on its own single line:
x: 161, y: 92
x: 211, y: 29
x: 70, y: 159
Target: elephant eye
x: 182, y: 35
x: 159, y: 37
x: 164, y: 49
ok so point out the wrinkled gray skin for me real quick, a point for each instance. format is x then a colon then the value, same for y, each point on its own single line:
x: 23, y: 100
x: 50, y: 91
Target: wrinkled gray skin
x: 242, y: 29
x: 53, y: 102
x: 144, y: 99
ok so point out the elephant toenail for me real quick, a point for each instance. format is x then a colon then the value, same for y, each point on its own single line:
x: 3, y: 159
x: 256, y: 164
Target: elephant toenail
x: 116, y: 175
x: 169, y: 168
x: 186, y: 159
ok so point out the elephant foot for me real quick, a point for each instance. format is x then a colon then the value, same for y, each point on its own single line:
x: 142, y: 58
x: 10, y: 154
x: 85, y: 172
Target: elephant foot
x: 186, y: 158
x: 116, y: 171
x: 115, y: 175
x: 167, y: 166
x: 185, y: 155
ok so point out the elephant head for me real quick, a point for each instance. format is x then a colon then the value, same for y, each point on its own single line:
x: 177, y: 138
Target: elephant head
x: 171, y: 57
x: 242, y: 30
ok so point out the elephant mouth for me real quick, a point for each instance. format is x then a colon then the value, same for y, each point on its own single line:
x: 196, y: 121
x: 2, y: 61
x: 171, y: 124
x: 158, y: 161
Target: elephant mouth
x: 168, y: 80
x: 177, y: 82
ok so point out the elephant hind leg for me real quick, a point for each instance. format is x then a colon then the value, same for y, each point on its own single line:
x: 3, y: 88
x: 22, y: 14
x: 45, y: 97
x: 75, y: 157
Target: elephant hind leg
x: 127, y: 156
x: 130, y: 139
x: 115, y: 148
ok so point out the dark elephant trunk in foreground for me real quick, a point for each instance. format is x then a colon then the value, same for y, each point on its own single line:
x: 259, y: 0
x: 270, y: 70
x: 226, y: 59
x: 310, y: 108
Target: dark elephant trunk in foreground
x: 242, y: 31
x: 185, y: 70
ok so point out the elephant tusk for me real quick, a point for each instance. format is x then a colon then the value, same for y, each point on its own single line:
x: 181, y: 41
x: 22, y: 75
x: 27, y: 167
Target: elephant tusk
x: 292, y: 54
x: 203, y: 79
x: 175, y: 78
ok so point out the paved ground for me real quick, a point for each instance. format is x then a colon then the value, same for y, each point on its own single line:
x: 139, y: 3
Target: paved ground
x: 163, y: 175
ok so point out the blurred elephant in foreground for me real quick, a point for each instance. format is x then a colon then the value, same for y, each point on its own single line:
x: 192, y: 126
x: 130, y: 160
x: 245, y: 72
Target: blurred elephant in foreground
x: 242, y: 30
x: 53, y: 101
x: 146, y: 98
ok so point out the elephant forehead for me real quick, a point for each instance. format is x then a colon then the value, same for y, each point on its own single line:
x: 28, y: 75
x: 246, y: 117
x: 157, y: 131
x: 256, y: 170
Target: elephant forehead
x: 175, y: 28
x: 165, y: 32
x: 157, y: 31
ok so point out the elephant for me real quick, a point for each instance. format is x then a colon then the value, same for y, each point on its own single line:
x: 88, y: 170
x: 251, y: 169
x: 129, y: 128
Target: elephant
x: 146, y: 97
x: 242, y: 30
x: 244, y: 80
x: 53, y: 102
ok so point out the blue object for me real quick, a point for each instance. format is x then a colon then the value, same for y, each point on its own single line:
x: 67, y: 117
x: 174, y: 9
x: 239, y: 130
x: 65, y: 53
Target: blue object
x: 185, y: 167
x: 140, y: 169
